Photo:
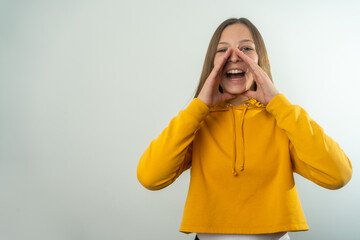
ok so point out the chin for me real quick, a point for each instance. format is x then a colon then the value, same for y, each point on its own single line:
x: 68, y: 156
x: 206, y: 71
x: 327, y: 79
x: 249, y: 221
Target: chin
x: 236, y: 92
x: 236, y: 89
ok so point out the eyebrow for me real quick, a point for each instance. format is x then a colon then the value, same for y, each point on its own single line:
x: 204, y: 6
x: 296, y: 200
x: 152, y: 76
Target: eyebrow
x: 242, y: 41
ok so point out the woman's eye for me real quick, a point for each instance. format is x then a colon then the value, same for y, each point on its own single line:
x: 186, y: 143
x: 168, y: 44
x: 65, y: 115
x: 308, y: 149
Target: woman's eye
x: 222, y: 50
x: 244, y: 49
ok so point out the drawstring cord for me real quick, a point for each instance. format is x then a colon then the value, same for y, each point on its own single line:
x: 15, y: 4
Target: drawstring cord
x: 242, y: 160
x: 242, y: 142
x: 234, y: 125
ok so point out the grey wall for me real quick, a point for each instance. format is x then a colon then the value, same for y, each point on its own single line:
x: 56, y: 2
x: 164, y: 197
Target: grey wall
x: 86, y: 85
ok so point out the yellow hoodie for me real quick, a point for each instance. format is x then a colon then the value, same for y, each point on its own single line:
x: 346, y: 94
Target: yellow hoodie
x: 242, y: 161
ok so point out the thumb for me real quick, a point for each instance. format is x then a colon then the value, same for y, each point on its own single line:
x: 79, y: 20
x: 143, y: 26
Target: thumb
x: 250, y: 94
x: 227, y: 96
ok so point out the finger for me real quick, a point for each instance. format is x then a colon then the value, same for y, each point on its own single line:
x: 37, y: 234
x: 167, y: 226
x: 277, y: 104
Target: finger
x: 250, y: 62
x: 227, y: 96
x: 221, y: 62
x: 219, y: 65
x: 250, y: 94
x: 258, y: 72
x: 247, y: 59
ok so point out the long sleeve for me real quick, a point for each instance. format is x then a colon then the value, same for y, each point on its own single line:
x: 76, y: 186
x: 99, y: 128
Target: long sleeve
x: 170, y: 154
x: 315, y: 155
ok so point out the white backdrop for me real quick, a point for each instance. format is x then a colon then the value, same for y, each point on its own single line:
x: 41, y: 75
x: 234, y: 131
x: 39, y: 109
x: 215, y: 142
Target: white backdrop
x: 86, y: 85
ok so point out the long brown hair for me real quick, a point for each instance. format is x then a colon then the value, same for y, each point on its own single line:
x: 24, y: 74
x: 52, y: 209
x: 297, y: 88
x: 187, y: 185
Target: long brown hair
x: 210, y: 55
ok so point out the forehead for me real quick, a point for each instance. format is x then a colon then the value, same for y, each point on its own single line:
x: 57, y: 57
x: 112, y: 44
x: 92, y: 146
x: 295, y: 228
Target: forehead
x: 235, y: 33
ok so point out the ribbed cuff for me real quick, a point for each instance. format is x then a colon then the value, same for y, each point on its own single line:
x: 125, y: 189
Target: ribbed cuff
x: 198, y: 109
x: 277, y: 104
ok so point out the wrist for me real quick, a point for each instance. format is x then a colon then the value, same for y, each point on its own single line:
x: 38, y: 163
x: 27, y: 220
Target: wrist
x: 207, y: 103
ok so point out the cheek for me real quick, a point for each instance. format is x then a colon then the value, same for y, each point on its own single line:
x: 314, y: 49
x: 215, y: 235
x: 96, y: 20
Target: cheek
x: 253, y: 56
x: 217, y: 58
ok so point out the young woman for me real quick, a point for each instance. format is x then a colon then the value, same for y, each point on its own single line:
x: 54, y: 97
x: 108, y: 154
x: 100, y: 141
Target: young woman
x: 243, y: 141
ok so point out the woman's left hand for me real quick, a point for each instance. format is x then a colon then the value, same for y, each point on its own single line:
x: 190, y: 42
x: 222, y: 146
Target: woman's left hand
x: 265, y: 90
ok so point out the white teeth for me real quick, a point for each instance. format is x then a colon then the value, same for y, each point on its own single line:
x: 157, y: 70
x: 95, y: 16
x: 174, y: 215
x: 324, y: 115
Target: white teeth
x: 235, y: 71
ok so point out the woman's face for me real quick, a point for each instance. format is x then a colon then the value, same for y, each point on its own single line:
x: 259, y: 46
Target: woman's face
x: 236, y: 78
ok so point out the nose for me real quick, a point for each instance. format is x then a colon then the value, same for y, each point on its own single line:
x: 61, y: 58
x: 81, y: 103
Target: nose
x: 234, y: 57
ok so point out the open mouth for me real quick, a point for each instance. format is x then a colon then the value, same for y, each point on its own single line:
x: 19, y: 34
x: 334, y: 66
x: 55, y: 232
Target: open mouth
x: 235, y: 74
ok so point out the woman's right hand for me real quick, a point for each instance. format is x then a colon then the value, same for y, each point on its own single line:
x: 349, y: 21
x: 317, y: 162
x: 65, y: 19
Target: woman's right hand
x: 210, y: 93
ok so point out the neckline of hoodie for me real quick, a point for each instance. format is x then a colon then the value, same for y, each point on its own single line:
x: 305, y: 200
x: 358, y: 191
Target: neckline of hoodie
x: 249, y: 104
